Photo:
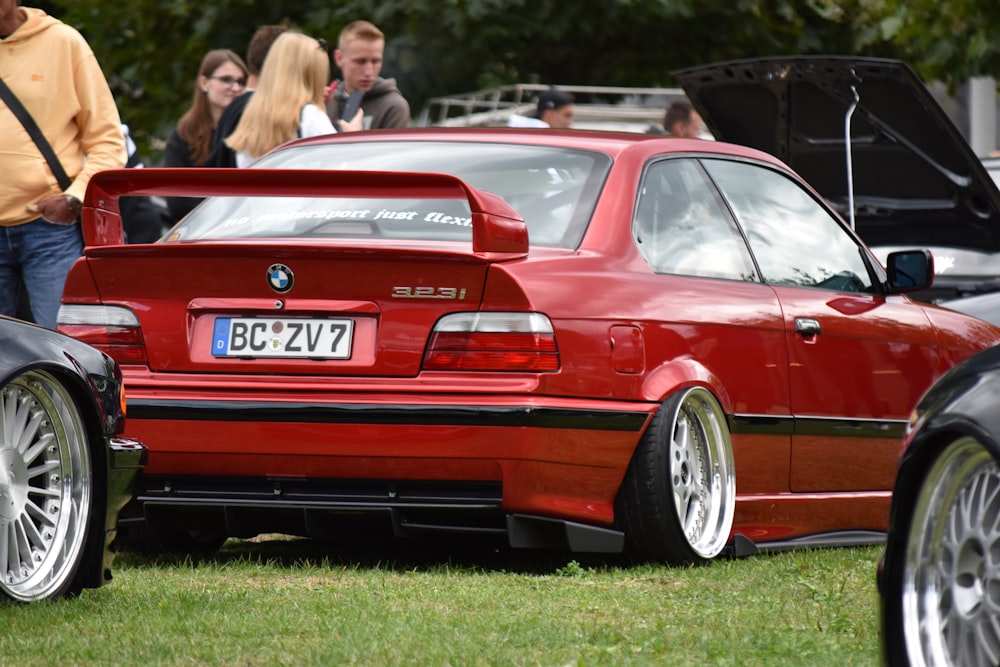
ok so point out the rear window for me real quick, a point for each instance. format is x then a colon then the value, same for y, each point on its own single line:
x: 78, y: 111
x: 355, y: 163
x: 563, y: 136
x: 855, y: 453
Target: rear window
x: 553, y: 189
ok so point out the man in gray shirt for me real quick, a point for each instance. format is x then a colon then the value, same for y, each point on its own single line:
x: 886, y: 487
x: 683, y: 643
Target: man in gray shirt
x: 359, y: 57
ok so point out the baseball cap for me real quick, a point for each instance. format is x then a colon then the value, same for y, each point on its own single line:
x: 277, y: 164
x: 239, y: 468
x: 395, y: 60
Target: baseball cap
x: 552, y: 98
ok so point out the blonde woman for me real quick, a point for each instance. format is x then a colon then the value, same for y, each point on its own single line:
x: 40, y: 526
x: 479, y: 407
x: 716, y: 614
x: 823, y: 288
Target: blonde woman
x: 288, y: 102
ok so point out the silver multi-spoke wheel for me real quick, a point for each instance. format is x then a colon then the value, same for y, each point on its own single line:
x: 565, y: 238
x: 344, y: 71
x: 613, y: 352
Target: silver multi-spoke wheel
x: 701, y: 473
x: 951, y: 576
x: 677, y: 502
x: 45, y: 487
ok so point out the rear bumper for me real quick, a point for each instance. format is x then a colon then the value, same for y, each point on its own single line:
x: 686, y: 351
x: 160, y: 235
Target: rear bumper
x: 557, y: 458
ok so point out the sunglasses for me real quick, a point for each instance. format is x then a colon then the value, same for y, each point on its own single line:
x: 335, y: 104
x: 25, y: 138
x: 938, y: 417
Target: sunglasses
x: 322, y: 44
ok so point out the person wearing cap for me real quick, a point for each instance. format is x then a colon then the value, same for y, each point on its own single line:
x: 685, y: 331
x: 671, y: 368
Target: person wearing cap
x: 555, y: 110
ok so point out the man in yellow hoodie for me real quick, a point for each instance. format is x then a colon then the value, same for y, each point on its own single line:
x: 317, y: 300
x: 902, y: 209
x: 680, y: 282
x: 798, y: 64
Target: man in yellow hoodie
x: 53, y: 72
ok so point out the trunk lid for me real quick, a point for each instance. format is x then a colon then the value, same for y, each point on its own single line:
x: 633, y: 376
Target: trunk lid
x: 284, y: 275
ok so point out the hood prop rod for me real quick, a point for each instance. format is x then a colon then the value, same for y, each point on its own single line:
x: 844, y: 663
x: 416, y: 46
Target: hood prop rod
x: 847, y: 148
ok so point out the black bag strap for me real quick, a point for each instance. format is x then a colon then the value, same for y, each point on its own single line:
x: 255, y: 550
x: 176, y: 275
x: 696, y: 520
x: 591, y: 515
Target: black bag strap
x: 36, y: 135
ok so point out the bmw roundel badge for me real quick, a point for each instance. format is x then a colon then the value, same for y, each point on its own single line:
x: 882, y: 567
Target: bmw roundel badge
x: 280, y: 278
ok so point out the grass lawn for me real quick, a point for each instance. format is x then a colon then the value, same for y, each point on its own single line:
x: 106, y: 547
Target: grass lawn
x: 297, y: 602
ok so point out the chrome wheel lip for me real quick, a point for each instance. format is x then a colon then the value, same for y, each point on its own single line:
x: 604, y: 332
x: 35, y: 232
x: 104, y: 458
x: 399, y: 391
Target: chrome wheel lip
x: 47, y: 504
x: 951, y: 576
x: 702, y: 474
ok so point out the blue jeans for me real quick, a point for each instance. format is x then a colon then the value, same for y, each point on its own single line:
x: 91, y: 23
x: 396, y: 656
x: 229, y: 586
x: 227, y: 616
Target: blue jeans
x: 37, y: 254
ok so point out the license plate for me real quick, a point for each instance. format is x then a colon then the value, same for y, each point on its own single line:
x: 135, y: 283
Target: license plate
x: 277, y: 337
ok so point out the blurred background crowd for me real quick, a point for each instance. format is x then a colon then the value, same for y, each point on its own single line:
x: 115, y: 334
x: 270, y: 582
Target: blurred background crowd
x: 150, y: 49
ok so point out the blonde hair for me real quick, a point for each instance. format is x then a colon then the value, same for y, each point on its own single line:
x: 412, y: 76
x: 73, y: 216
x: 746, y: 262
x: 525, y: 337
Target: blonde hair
x: 363, y: 30
x: 295, y: 73
x: 196, y: 125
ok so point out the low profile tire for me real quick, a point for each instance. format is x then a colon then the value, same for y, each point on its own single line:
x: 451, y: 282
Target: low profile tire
x: 942, y: 604
x: 678, y: 499
x: 45, y: 489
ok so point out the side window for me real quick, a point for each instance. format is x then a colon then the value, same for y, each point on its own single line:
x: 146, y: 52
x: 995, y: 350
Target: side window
x: 794, y: 239
x: 681, y: 225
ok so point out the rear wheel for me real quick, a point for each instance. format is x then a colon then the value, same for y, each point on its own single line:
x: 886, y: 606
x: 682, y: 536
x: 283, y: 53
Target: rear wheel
x: 943, y: 585
x: 678, y: 499
x: 45, y: 488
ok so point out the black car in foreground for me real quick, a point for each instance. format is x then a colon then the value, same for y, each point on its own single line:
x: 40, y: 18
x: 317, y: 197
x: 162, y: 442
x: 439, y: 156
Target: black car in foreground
x: 940, y: 575
x: 64, y: 471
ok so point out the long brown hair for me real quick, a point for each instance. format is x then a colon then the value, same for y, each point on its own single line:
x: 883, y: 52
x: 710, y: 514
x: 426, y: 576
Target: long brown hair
x: 196, y: 125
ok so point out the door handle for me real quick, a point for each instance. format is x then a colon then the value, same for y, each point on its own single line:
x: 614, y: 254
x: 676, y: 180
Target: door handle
x: 807, y: 326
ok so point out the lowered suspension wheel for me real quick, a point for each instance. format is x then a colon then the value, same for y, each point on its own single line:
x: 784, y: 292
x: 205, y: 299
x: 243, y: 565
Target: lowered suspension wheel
x: 942, y: 605
x: 678, y: 500
x: 45, y: 488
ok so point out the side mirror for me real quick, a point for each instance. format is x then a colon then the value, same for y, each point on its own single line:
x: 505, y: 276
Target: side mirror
x: 909, y: 270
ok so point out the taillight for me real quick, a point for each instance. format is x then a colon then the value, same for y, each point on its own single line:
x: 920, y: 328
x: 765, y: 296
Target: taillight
x: 111, y: 329
x: 492, y: 342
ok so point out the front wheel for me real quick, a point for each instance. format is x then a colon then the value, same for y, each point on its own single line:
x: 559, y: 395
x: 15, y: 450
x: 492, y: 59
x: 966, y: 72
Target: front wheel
x: 678, y: 499
x: 45, y: 488
x: 942, y: 601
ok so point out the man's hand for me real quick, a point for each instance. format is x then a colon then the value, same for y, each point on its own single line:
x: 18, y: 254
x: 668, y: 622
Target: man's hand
x: 55, y: 209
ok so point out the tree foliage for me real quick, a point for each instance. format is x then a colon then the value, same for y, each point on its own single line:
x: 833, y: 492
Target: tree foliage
x: 150, y: 49
x: 951, y: 40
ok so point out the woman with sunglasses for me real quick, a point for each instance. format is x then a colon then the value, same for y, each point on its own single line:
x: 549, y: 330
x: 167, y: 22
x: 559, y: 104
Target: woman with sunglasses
x: 289, y: 100
x: 221, y: 77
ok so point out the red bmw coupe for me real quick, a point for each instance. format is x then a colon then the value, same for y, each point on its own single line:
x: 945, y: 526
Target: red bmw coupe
x: 597, y: 342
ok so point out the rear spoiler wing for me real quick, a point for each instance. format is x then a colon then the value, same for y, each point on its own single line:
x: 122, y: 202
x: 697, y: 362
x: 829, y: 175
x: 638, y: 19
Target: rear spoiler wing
x: 496, y: 227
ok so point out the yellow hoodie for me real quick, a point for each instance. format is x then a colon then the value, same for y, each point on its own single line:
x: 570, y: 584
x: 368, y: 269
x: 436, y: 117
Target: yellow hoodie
x: 52, y: 70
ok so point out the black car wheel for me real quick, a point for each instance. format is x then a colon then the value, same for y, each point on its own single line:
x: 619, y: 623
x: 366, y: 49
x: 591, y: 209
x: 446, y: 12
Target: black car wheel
x: 678, y: 500
x: 45, y: 488
x: 942, y: 601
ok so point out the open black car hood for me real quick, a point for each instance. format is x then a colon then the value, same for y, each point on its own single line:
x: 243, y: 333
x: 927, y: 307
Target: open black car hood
x: 916, y: 180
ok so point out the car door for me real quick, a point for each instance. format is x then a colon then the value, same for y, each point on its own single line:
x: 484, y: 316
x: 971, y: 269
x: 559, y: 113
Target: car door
x: 709, y: 307
x: 858, y: 360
